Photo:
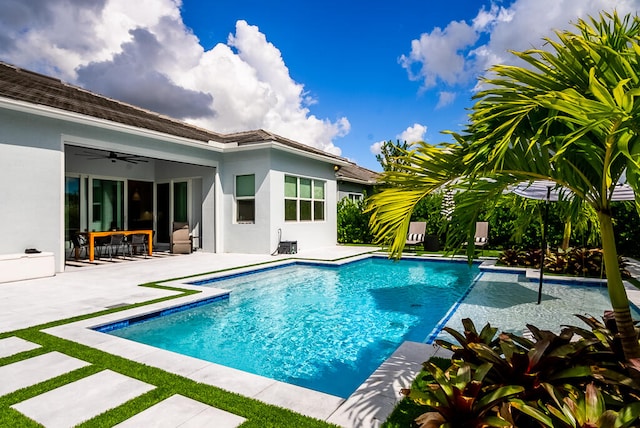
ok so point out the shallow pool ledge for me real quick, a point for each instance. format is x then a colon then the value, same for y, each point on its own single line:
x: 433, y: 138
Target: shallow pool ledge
x: 372, y: 403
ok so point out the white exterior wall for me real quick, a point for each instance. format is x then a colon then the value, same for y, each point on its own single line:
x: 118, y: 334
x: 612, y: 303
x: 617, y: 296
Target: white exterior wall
x: 252, y: 238
x: 32, y: 174
x: 270, y: 166
x: 309, y: 234
x: 31, y: 179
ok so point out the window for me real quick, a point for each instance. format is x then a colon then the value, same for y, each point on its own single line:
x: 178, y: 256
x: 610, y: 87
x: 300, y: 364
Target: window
x: 354, y: 197
x: 304, y: 199
x: 246, y: 198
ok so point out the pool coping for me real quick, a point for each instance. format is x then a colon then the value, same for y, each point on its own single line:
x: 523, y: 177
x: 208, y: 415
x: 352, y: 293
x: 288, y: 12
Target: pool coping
x: 369, y: 405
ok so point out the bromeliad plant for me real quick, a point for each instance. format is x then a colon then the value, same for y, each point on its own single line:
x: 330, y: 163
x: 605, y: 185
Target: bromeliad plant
x: 579, y: 261
x: 577, y: 409
x: 461, y: 398
x: 516, y: 360
x: 506, y: 380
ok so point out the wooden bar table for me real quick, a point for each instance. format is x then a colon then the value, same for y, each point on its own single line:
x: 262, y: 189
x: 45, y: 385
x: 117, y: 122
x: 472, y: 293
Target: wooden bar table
x: 91, y: 237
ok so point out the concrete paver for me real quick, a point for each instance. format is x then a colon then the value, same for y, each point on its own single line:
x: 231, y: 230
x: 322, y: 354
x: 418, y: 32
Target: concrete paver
x: 37, y: 369
x: 183, y: 412
x: 14, y: 345
x: 81, y: 400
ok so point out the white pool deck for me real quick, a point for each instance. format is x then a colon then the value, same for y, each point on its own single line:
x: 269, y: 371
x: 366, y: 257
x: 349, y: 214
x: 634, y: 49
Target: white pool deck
x: 81, y: 291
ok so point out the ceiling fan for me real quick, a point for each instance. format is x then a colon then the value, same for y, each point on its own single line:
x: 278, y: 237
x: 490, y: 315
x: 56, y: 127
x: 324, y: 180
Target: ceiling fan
x: 113, y: 156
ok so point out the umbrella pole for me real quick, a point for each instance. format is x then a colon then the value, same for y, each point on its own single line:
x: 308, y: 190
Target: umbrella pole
x: 544, y: 242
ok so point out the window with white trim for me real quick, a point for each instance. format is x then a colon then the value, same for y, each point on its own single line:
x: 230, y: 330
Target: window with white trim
x: 304, y: 199
x: 245, y: 198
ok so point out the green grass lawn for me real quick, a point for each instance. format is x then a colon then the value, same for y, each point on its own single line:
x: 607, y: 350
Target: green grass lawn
x: 257, y: 413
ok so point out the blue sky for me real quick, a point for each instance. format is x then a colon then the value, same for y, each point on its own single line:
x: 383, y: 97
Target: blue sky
x: 340, y: 76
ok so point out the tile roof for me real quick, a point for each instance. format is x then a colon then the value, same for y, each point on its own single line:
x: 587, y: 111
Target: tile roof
x: 27, y: 86
x: 358, y: 174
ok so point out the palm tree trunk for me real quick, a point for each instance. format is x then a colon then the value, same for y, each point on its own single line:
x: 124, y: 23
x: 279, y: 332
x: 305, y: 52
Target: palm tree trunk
x: 567, y: 234
x: 617, y: 292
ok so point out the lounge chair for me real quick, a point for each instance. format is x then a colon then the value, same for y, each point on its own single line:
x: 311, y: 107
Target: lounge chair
x: 415, y: 237
x: 181, y: 240
x: 482, y: 234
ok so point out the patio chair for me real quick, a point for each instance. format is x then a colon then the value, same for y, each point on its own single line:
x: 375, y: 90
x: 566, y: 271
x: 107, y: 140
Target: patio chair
x: 482, y: 234
x: 181, y: 240
x: 136, y: 241
x: 79, y: 243
x: 116, y: 242
x: 415, y: 237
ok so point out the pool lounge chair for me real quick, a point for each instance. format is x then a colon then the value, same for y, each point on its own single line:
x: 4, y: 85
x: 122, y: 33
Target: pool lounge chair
x: 415, y: 237
x: 482, y: 234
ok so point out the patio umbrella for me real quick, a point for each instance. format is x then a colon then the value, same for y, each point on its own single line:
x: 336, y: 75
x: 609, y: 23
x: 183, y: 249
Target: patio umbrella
x: 551, y: 192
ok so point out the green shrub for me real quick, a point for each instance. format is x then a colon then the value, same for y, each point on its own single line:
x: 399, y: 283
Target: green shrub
x: 353, y: 223
x: 584, y: 262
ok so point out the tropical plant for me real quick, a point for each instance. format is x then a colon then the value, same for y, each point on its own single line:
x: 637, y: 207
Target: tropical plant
x: 515, y: 360
x: 460, y: 398
x: 588, y: 409
x: 580, y: 261
x: 570, y: 116
x: 577, y: 378
x: 353, y: 223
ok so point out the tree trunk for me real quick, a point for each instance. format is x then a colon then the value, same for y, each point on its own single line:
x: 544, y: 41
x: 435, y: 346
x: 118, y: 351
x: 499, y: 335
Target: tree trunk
x: 617, y: 292
x: 567, y: 234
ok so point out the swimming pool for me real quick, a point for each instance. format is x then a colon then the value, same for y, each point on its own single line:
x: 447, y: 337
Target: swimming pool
x: 322, y: 327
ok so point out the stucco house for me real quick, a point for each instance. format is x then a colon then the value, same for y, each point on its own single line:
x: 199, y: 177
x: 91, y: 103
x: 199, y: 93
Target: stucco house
x: 72, y: 160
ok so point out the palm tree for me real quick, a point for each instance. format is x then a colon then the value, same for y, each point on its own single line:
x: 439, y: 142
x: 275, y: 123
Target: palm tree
x: 571, y: 115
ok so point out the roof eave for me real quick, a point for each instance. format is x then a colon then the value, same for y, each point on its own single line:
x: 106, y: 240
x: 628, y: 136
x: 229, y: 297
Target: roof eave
x: 357, y: 181
x: 59, y: 114
x: 328, y: 158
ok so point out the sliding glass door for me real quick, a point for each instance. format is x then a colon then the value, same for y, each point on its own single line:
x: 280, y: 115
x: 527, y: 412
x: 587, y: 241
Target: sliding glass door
x: 172, y: 205
x: 71, y: 207
x: 139, y: 205
x: 107, y: 204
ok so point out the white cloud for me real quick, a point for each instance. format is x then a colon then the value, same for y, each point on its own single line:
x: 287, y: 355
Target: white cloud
x: 141, y: 52
x: 413, y: 134
x: 462, y: 51
x: 445, y: 98
x: 376, y: 148
x: 439, y: 55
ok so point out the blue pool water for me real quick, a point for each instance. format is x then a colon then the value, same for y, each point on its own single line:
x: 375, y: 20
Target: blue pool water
x: 321, y: 327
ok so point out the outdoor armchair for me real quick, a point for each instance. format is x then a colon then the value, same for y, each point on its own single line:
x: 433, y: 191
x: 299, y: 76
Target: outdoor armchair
x: 181, y: 239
